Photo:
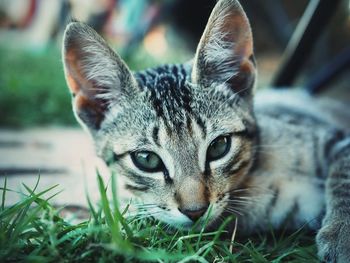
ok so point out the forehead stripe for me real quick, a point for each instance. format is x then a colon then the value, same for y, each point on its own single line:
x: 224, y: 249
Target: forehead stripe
x: 155, y: 135
x: 201, y: 125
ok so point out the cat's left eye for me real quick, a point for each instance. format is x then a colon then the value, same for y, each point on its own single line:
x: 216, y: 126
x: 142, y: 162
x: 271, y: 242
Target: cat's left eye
x: 218, y: 148
x: 147, y: 161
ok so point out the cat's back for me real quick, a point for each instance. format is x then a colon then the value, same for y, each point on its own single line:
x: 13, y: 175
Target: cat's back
x: 296, y: 130
x: 296, y: 107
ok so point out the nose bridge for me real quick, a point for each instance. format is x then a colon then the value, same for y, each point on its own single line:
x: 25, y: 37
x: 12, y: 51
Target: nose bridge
x: 191, y: 190
x: 192, y: 193
x: 188, y: 160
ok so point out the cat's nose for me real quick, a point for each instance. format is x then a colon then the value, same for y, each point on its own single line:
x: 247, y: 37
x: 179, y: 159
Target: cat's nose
x: 194, y: 215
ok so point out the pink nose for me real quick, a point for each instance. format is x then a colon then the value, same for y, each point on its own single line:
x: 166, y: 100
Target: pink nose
x: 194, y: 215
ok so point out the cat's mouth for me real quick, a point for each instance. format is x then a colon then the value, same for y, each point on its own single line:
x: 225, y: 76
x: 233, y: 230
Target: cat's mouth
x: 205, y: 222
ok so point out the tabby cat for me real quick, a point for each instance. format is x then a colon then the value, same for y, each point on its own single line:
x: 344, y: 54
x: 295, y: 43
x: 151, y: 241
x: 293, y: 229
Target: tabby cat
x: 189, y: 136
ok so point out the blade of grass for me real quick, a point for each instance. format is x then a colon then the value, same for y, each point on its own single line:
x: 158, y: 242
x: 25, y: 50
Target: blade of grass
x: 220, y: 231
x: 91, y: 207
x: 37, y: 183
x: 105, y: 205
x: 4, y: 195
x: 122, y: 244
x: 117, y: 214
x: 24, y: 221
x: 40, y: 201
x: 21, y: 204
x: 204, y: 226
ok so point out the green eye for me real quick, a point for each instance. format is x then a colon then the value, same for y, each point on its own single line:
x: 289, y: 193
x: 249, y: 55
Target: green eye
x: 218, y: 148
x: 147, y: 161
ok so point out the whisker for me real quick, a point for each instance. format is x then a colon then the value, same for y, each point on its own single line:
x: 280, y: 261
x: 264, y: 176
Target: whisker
x: 245, y: 198
x: 145, y: 205
x: 256, y: 204
x: 239, y: 202
x: 141, y: 217
x: 167, y: 227
x: 250, y: 190
x: 233, y: 210
x: 146, y: 210
x: 220, y: 218
x: 239, y: 190
x: 147, y: 213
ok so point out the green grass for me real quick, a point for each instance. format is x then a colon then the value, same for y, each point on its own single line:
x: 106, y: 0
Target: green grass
x: 32, y: 230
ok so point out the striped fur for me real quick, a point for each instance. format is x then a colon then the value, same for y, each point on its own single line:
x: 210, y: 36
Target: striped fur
x: 289, y: 158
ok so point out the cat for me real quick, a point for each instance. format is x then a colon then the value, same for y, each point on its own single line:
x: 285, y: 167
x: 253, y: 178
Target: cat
x: 191, y: 136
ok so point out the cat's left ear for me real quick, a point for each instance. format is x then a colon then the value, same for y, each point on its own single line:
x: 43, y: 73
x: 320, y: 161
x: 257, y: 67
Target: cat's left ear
x: 96, y: 76
x: 225, y: 51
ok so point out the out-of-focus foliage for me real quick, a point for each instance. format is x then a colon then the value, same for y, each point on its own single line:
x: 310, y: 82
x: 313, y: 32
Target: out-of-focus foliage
x: 32, y: 89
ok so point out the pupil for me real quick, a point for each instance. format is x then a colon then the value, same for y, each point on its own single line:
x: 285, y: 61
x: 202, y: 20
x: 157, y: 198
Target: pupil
x: 220, y: 146
x: 151, y: 159
x: 148, y: 159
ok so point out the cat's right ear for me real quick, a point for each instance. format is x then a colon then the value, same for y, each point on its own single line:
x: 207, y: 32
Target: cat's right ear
x: 225, y: 51
x: 96, y: 76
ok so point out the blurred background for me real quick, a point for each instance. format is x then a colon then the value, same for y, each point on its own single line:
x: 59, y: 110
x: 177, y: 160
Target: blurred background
x: 145, y: 33
x: 35, y: 107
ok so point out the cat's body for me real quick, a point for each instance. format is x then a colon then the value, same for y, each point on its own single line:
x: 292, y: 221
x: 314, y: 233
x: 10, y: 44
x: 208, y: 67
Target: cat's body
x: 193, y: 142
x: 296, y: 133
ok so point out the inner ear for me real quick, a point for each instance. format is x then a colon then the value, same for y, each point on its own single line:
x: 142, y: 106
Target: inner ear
x: 225, y: 51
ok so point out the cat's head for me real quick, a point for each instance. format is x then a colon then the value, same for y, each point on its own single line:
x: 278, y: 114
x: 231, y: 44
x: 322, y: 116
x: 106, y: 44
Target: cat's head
x: 182, y: 135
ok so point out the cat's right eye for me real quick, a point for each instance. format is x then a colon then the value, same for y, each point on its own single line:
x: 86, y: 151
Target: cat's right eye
x: 147, y: 161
